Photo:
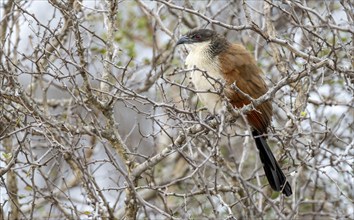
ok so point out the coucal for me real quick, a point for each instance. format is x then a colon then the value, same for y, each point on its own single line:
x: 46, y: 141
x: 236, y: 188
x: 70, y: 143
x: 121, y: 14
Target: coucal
x: 218, y: 59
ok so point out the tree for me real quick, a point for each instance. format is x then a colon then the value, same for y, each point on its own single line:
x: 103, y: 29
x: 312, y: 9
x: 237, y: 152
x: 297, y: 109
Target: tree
x: 99, y: 118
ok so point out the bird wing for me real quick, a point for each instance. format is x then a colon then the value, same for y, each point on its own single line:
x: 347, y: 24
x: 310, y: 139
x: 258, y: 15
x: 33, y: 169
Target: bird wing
x: 239, y: 67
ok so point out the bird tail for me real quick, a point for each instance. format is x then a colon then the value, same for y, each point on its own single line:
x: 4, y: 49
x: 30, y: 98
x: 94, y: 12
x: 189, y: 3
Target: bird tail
x: 275, y: 175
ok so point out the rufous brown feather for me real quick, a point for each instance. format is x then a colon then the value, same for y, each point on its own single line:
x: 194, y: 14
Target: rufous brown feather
x: 233, y: 64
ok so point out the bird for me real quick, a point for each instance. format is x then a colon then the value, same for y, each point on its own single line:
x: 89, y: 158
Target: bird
x: 213, y: 59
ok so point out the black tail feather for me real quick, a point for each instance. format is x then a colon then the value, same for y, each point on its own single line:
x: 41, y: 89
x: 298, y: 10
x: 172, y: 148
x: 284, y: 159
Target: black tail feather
x: 275, y: 175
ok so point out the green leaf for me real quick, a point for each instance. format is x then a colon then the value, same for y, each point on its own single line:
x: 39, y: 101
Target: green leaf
x: 87, y: 212
x: 28, y: 188
x: 275, y: 195
x: 7, y: 156
x: 303, y: 114
x: 21, y: 196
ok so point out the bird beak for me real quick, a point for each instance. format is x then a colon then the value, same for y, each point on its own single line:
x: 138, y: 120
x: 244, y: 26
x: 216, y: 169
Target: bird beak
x: 183, y: 40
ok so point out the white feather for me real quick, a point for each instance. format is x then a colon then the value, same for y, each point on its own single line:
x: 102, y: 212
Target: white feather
x: 205, y: 78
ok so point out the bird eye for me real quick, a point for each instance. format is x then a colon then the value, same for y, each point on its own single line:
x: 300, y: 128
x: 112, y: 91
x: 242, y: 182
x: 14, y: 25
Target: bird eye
x: 196, y: 37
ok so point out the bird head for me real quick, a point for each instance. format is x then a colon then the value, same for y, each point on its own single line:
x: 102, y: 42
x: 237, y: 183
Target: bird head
x: 197, y: 36
x: 205, y: 40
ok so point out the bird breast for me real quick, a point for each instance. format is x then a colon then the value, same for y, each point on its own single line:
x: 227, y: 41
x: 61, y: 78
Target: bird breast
x: 206, y: 76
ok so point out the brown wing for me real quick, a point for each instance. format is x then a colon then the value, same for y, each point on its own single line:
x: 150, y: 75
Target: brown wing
x: 238, y: 66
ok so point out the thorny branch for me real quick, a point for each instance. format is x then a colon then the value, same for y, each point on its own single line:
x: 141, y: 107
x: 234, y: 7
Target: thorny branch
x: 99, y: 119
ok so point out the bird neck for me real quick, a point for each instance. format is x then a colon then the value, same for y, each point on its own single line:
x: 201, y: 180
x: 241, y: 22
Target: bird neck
x: 218, y: 45
x: 199, y: 55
